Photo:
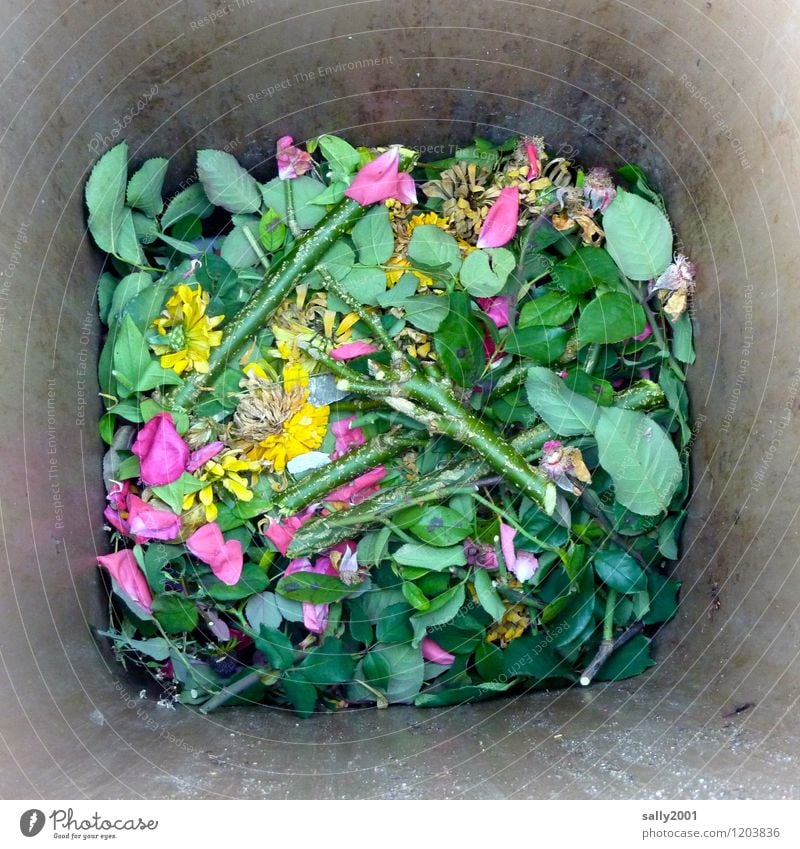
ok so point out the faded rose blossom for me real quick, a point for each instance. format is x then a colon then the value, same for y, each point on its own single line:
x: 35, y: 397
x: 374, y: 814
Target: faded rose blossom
x: 563, y: 465
x: 341, y: 560
x: 315, y: 616
x: 129, y: 577
x: 118, y: 495
x: 500, y: 225
x: 292, y: 161
x: 382, y: 180
x: 480, y: 554
x: 675, y: 286
x: 433, y: 652
x: 599, y: 189
x: 521, y: 564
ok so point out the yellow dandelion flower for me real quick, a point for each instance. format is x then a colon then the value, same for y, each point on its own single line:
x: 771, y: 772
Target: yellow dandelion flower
x: 224, y: 470
x: 275, y: 423
x: 187, y: 331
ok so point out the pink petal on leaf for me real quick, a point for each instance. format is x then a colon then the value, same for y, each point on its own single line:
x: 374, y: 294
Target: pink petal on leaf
x: 129, y: 577
x: 496, y: 308
x: 203, y: 455
x: 381, y: 180
x: 351, y: 350
x: 224, y: 558
x: 147, y: 522
x: 433, y: 652
x: 161, y: 451
x: 359, y: 489
x: 500, y: 225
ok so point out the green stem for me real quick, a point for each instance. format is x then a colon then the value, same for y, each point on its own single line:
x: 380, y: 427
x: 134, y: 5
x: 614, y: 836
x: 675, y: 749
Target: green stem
x: 461, y: 424
x: 231, y: 691
x: 373, y: 322
x: 315, y: 486
x: 644, y: 395
x: 257, y: 249
x: 299, y: 261
x: 591, y: 504
x: 608, y: 619
x: 291, y: 218
x: 655, y: 325
x: 607, y: 648
x: 510, y: 520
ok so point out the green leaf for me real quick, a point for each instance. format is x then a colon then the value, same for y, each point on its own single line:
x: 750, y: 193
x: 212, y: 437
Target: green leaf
x: 611, y: 317
x: 669, y: 534
x: 663, y: 598
x: 629, y: 660
x: 566, y: 412
x: 128, y: 468
x: 144, y: 187
x: 430, y: 557
x: 252, y: 580
x: 275, y: 645
x: 393, y: 625
x: 485, y: 271
x: 619, y: 570
x: 373, y: 236
x: 459, y: 340
x: 303, y: 190
x: 175, y: 613
x: 543, y: 345
x: 489, y: 661
x: 366, y: 285
x: 110, y: 221
x: 126, y: 290
x: 179, y: 245
x: 441, y: 526
x: 442, y: 609
x: 328, y: 664
x: 271, y: 231
x: 134, y: 368
x: 638, y: 236
x: 488, y: 596
x: 190, y: 201
x: 106, y: 286
x: 427, y: 312
x: 312, y: 587
x: 372, y: 546
x: 226, y: 183
x: 376, y: 669
x: 682, y: 348
x: 414, y: 596
x: 237, y: 251
x: 578, y: 615
x: 146, y: 229
x: 300, y: 693
x: 432, y: 248
x: 173, y: 493
x: 531, y: 656
x: 262, y: 609
x: 585, y: 269
x: 640, y: 458
x: 552, y: 309
x: 638, y: 179
x: 340, y: 155
x: 406, y: 673
x: 462, y: 695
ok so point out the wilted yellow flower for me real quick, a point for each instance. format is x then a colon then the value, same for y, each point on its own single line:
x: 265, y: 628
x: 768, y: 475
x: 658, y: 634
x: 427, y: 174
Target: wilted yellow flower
x: 274, y: 423
x: 187, y: 331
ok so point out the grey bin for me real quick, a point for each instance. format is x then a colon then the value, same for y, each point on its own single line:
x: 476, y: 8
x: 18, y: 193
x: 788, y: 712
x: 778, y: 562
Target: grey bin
x: 704, y: 95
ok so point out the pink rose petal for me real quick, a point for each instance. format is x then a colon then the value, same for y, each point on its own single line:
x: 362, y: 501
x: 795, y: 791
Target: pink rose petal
x: 347, y: 437
x: 351, y: 350
x: 199, y: 458
x: 129, y: 577
x: 224, y: 558
x: 359, y: 489
x: 433, y: 652
x: 292, y: 161
x: 161, y: 451
x: 500, y: 225
x: 381, y: 180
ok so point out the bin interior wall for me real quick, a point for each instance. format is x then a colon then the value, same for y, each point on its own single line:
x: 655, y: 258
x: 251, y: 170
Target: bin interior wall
x: 703, y: 96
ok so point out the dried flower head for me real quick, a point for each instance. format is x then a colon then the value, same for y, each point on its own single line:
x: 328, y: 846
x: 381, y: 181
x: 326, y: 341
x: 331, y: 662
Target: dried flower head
x: 564, y: 465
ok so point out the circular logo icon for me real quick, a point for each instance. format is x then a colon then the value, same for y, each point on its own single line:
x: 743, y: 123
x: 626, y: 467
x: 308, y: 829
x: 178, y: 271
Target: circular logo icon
x: 31, y: 822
